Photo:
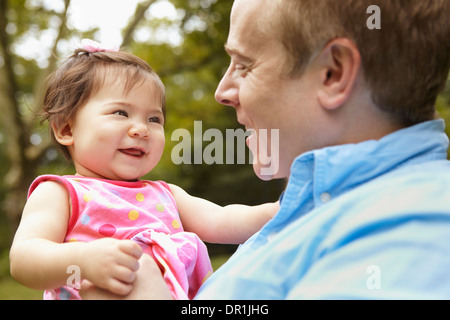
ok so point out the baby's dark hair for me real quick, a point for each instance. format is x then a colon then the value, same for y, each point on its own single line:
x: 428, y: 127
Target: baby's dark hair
x: 82, y: 75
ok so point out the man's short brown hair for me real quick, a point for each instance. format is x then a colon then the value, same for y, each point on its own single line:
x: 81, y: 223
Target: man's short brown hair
x: 405, y: 63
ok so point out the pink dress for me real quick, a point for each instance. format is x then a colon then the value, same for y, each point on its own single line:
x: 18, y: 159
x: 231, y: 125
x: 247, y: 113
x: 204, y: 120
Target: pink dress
x: 143, y: 211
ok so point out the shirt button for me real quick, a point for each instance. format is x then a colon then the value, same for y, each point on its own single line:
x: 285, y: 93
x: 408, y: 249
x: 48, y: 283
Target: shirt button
x: 325, y: 197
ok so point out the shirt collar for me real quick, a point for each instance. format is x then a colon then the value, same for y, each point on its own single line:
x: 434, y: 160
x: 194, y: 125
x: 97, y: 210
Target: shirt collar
x: 328, y: 172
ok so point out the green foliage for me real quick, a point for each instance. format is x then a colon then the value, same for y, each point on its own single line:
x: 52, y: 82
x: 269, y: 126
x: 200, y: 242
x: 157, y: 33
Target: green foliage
x: 190, y: 71
x: 443, y: 107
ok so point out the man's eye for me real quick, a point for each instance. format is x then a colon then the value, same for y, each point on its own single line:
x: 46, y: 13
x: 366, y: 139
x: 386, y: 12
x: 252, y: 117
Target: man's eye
x: 121, y: 113
x: 241, y: 69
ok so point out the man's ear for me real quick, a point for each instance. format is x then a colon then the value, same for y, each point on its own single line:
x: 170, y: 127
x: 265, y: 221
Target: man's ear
x: 63, y: 133
x: 340, y: 63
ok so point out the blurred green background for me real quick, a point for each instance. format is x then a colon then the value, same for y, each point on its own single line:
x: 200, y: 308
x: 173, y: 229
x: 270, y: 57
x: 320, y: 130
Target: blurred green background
x: 182, y: 40
x: 36, y: 34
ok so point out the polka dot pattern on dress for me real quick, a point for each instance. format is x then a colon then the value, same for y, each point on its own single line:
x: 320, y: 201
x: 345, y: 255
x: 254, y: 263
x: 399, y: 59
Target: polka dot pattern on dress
x: 176, y: 224
x: 87, y: 197
x: 133, y: 215
x: 112, y: 199
x: 124, y: 210
x: 140, y: 197
x: 107, y: 230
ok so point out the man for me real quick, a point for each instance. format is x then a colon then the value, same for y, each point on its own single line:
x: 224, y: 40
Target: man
x: 366, y: 213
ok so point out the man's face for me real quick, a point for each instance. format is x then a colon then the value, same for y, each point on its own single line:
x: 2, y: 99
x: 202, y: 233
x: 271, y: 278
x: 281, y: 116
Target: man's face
x: 256, y: 84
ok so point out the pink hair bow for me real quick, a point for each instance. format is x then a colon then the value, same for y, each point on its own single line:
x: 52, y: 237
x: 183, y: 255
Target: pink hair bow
x: 94, y: 46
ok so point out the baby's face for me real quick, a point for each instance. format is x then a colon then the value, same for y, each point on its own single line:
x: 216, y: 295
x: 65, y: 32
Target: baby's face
x: 118, y: 135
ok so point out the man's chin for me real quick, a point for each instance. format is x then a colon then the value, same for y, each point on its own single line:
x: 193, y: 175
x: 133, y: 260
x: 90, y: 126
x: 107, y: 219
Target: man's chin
x: 266, y: 173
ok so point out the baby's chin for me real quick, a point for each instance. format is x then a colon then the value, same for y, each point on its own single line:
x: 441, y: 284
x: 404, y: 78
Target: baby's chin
x: 126, y: 178
x: 116, y: 177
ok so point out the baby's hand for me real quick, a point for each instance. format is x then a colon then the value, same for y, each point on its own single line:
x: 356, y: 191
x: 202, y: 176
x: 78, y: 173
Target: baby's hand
x: 111, y: 264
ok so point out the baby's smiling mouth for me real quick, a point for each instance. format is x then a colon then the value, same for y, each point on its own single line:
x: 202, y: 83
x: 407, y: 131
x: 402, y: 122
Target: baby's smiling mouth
x: 134, y: 152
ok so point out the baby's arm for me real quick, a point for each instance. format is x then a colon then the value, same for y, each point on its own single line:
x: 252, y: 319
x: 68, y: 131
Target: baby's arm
x: 231, y: 224
x: 39, y: 258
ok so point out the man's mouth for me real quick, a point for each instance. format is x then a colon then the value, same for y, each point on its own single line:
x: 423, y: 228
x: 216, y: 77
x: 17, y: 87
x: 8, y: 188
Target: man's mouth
x: 134, y: 152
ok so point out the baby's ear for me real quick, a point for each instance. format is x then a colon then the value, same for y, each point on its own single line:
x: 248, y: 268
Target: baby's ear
x: 63, y: 133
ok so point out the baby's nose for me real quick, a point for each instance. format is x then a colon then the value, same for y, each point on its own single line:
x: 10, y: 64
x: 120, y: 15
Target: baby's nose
x: 139, y: 131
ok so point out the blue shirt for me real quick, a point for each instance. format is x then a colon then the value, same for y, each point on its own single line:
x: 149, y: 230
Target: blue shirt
x: 357, y: 221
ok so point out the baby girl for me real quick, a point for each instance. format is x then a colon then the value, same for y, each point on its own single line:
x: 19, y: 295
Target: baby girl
x: 106, y: 110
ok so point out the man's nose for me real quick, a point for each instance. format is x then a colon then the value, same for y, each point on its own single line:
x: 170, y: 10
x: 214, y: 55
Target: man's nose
x: 227, y: 92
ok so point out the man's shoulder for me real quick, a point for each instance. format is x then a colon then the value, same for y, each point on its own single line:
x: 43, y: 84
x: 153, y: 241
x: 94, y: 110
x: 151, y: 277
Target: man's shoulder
x: 410, y: 177
x: 413, y: 192
x: 430, y: 178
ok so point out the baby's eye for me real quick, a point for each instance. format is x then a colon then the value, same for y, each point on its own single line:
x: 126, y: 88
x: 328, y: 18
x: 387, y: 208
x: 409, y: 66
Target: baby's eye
x: 121, y: 113
x: 154, y: 119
